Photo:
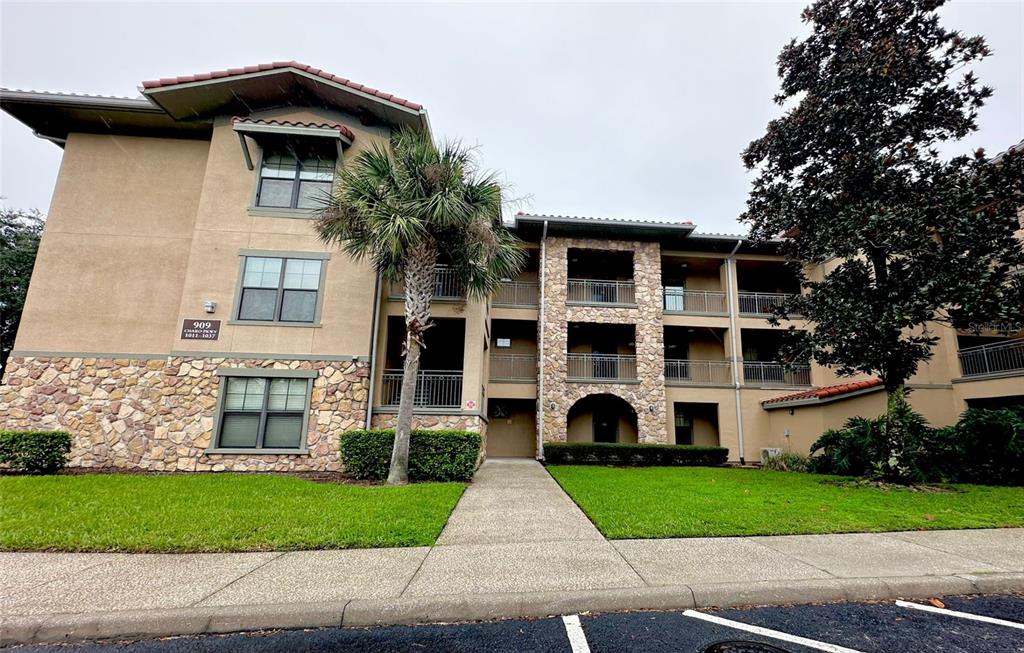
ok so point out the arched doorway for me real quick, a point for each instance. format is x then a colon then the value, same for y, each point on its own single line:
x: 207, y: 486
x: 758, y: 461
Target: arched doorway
x: 601, y: 418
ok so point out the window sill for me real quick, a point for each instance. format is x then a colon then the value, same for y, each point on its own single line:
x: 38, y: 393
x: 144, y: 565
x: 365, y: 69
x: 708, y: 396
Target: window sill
x: 270, y: 212
x: 308, y: 325
x: 258, y: 452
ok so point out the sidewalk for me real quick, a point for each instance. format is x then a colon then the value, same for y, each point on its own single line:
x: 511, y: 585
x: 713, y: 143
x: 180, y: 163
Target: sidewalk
x: 515, y: 546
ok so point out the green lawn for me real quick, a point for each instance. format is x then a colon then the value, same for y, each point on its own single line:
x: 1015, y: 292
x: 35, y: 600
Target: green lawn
x: 215, y: 512
x: 655, y: 502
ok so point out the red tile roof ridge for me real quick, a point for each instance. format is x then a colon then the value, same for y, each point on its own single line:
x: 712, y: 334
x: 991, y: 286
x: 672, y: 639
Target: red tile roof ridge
x: 278, y: 65
x: 345, y: 131
x: 827, y: 391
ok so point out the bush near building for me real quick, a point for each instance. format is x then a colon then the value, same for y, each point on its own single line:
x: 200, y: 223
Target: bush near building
x: 984, y: 447
x: 35, y: 452
x: 633, y: 455
x: 434, y: 455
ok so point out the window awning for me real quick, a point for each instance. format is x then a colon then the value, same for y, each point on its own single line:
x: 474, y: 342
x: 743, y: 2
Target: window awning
x: 254, y: 127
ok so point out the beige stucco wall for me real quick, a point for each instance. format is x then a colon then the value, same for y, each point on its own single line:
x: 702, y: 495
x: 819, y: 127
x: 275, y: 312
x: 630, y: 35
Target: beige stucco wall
x: 114, y: 253
x: 225, y: 226
x: 514, y: 436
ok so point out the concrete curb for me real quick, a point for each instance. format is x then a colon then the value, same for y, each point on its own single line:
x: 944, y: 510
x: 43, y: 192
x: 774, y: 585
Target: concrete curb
x: 54, y: 628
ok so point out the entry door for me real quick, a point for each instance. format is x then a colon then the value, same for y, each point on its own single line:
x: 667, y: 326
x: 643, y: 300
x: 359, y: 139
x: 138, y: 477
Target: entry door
x: 606, y: 425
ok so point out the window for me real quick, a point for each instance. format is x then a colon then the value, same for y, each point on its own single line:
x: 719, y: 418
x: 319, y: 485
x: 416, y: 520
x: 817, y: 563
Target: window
x: 263, y: 413
x: 294, y: 179
x: 280, y: 289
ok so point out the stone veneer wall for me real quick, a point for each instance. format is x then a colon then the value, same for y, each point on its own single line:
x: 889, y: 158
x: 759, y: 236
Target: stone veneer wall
x: 650, y: 347
x: 430, y: 421
x: 158, y: 414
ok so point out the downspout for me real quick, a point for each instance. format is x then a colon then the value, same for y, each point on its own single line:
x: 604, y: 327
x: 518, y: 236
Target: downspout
x: 730, y: 279
x: 540, y: 358
x: 373, y: 350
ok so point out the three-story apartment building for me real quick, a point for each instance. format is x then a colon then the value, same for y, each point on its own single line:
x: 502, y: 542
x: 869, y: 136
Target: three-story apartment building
x: 183, y: 314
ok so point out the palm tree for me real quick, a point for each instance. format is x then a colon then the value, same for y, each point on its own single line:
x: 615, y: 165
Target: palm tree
x: 406, y: 207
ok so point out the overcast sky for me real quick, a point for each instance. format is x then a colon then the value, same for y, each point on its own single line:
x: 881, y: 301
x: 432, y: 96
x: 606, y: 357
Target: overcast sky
x: 615, y: 110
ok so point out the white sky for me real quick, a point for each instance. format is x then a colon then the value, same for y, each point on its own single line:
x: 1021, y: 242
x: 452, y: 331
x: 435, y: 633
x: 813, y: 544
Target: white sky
x: 615, y: 110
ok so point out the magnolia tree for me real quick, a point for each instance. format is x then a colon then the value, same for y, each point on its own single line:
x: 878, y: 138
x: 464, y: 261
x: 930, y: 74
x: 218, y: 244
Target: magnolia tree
x: 405, y: 208
x: 19, y: 241
x: 853, y: 175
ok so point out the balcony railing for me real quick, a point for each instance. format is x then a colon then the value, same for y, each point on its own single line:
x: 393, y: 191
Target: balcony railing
x: 681, y: 300
x: 697, y: 372
x: 601, y: 367
x: 1001, y: 357
x: 590, y: 291
x: 434, y: 388
x: 446, y: 285
x: 514, y: 367
x: 517, y: 293
x: 761, y: 303
x: 755, y: 373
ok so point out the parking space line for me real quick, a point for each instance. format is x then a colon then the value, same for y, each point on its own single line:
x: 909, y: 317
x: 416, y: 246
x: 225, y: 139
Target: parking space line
x: 774, y: 634
x: 577, y: 638
x: 962, y: 615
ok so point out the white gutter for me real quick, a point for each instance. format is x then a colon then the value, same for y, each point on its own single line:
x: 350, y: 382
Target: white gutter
x: 730, y: 275
x: 540, y: 357
x: 373, y: 350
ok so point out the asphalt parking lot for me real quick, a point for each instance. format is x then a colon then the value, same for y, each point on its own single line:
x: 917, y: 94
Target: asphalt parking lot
x: 883, y: 627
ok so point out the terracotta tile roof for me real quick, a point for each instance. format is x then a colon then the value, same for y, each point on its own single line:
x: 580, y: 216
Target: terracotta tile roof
x: 589, y: 218
x: 233, y: 72
x: 826, y: 392
x: 345, y: 131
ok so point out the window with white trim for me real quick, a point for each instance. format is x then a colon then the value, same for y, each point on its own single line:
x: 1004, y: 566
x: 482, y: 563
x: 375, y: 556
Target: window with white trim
x: 263, y: 413
x: 276, y: 289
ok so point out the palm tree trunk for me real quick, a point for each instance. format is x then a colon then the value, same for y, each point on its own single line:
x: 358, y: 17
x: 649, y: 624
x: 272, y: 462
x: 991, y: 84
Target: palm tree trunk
x: 419, y: 288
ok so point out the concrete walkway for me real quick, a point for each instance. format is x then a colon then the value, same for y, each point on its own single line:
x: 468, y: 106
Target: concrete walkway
x: 515, y: 546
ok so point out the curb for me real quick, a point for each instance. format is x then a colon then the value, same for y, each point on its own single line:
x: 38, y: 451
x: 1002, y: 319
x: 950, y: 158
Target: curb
x: 53, y: 628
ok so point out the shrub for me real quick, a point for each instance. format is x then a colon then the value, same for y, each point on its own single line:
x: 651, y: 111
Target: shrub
x: 985, y: 446
x: 36, y: 452
x: 789, y: 461
x: 638, y: 455
x: 893, y: 447
x: 440, y: 455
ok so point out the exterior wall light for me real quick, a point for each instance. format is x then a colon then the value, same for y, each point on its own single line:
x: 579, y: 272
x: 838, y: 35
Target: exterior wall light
x: 210, y: 306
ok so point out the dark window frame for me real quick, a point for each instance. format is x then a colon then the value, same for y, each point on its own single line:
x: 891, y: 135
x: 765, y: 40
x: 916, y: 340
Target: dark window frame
x: 267, y: 376
x: 296, y: 180
x: 280, y: 289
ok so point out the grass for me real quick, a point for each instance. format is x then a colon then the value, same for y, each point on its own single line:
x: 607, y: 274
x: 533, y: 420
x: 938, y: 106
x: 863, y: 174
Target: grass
x: 655, y: 502
x: 215, y: 512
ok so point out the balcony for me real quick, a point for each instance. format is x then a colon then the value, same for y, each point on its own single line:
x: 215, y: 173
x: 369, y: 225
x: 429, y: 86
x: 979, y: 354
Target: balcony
x: 775, y: 373
x: 761, y: 304
x: 514, y: 368
x: 434, y: 388
x: 517, y: 294
x: 604, y: 368
x: 598, y: 292
x: 698, y: 372
x: 446, y: 285
x: 998, y: 358
x: 706, y: 302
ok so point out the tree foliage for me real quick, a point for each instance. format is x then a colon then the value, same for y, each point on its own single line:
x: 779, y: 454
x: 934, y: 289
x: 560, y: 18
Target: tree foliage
x: 852, y: 179
x: 20, y: 232
x: 405, y: 208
